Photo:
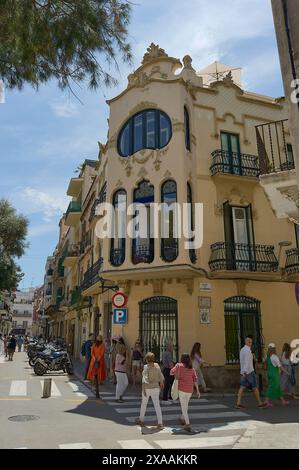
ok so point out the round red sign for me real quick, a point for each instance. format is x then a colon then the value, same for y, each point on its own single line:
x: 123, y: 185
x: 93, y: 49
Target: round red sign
x: 119, y: 300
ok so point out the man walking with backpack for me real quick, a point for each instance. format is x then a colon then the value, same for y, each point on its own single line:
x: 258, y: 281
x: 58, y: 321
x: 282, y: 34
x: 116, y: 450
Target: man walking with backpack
x: 86, y: 352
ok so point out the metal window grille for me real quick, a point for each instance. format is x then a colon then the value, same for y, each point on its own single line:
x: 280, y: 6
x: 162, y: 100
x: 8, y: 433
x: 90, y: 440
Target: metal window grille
x: 158, y: 323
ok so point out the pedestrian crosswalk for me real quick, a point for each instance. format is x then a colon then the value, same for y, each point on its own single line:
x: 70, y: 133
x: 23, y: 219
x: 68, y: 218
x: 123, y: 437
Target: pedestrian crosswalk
x: 61, y: 387
x: 215, y: 425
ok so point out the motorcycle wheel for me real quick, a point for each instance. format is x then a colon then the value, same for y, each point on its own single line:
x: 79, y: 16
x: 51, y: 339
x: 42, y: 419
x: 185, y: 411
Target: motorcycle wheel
x: 69, y: 369
x: 32, y: 362
x: 39, y: 369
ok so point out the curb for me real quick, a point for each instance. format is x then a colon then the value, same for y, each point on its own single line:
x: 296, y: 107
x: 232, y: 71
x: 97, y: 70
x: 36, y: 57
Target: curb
x: 246, y: 437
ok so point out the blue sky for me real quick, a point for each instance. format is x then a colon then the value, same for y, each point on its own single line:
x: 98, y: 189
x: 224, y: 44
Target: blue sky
x: 45, y: 135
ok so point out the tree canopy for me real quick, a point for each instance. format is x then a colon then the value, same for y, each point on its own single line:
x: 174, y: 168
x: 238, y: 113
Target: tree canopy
x: 63, y: 40
x: 13, y: 232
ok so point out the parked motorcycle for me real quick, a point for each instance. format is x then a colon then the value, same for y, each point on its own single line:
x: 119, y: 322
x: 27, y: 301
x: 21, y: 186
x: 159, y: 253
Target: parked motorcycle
x: 56, y: 361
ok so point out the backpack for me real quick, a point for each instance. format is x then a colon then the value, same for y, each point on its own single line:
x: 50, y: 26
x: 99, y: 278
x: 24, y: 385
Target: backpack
x: 83, y: 352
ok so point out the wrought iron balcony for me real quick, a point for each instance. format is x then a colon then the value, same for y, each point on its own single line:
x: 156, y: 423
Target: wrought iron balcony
x: 170, y: 249
x: 92, y: 274
x: 101, y: 198
x: 117, y: 256
x: 234, y: 163
x: 242, y: 257
x: 292, y: 261
x: 143, y: 254
x: 275, y: 153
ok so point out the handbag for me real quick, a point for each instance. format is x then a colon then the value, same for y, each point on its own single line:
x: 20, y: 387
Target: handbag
x: 96, y: 364
x: 175, y: 389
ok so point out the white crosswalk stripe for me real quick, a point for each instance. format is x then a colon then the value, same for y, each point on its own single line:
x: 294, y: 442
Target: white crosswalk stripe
x: 135, y: 444
x: 197, y: 443
x: 80, y: 390
x: 193, y: 416
x: 54, y: 389
x: 151, y: 409
x: 76, y: 445
x: 18, y: 388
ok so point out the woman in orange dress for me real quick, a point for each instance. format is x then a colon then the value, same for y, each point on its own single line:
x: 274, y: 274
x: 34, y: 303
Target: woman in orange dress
x: 97, y: 361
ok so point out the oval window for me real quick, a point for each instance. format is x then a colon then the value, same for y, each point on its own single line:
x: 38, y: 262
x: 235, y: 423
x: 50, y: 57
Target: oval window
x: 150, y: 129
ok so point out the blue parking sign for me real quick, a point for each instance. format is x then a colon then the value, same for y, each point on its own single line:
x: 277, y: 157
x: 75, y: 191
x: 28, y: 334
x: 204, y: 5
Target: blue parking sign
x: 120, y: 316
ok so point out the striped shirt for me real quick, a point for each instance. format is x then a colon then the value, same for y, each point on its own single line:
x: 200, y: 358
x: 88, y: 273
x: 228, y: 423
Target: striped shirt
x: 187, y: 377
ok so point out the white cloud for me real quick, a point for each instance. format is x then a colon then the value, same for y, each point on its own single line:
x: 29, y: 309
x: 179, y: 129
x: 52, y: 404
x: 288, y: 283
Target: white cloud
x: 64, y: 108
x: 30, y: 201
x: 38, y: 230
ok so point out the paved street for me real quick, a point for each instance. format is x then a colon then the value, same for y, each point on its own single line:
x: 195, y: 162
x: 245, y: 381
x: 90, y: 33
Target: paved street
x: 73, y: 418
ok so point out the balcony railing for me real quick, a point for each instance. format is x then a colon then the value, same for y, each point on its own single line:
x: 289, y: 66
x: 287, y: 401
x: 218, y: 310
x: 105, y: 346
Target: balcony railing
x: 101, y: 198
x: 74, y: 206
x: 50, y: 272
x: 92, y: 275
x: 234, y: 163
x: 170, y: 249
x: 275, y: 153
x: 117, y: 256
x: 292, y: 261
x: 242, y: 257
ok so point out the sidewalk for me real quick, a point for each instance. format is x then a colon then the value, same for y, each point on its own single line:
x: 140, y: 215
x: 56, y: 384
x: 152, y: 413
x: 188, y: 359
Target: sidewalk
x: 109, y: 387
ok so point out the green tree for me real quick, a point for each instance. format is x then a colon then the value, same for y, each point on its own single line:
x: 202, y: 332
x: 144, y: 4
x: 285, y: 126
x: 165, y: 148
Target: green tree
x: 64, y: 40
x: 13, y: 231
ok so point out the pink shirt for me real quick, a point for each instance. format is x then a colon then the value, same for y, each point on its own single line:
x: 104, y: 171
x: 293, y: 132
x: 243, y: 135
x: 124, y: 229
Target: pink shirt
x: 119, y: 367
x: 187, y: 377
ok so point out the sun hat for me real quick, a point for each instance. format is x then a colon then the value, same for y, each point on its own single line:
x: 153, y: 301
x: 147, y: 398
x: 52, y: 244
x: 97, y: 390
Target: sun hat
x: 271, y: 345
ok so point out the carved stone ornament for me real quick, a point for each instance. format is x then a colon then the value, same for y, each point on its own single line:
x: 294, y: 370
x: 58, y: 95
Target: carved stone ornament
x: 189, y: 283
x: 241, y: 285
x: 157, y: 286
x: 142, y: 173
x: 153, y: 52
x: 187, y: 61
x: 119, y: 184
x: 167, y: 174
x: 228, y: 79
x: 291, y: 193
x: 125, y: 287
x: 143, y: 156
x: 191, y: 89
x: 103, y: 148
x: 218, y: 209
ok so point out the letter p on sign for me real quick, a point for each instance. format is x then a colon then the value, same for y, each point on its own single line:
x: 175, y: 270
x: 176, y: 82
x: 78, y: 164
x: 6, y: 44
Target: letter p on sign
x: 120, y: 316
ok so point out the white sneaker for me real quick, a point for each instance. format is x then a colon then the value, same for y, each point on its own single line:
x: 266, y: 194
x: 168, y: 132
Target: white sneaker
x: 168, y: 402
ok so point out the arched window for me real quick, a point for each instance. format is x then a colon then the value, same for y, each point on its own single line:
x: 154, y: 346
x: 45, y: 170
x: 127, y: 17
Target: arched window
x: 143, y: 245
x: 242, y: 318
x: 118, y: 240
x: 192, y: 253
x: 187, y: 129
x: 149, y: 129
x: 169, y: 223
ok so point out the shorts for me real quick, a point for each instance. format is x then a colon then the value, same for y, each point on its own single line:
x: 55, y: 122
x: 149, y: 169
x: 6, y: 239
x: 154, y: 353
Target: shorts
x: 136, y: 363
x: 249, y: 380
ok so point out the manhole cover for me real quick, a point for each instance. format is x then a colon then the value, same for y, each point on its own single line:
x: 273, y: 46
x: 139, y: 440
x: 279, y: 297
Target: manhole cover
x: 22, y: 418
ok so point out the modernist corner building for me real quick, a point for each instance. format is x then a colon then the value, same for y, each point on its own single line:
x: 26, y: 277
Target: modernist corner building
x: 178, y: 135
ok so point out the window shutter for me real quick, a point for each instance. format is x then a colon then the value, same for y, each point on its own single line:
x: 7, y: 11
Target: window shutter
x: 229, y: 236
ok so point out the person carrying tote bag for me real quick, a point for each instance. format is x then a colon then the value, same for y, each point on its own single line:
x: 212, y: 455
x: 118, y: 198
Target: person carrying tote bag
x: 175, y: 389
x: 187, y: 380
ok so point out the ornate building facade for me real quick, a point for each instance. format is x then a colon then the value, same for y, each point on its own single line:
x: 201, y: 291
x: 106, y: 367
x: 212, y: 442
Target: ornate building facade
x: 176, y: 138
